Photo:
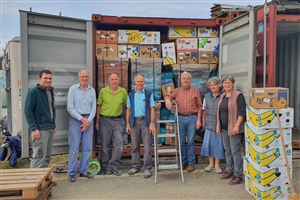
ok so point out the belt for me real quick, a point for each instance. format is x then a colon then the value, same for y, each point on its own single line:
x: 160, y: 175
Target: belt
x: 111, y: 117
x: 139, y: 118
x: 85, y: 115
x: 186, y: 115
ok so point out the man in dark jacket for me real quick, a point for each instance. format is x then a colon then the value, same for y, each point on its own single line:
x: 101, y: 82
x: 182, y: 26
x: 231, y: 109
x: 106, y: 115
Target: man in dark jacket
x: 40, y: 116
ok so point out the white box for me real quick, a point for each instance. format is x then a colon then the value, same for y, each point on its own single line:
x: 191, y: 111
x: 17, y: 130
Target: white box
x: 266, y: 192
x: 128, y: 51
x: 149, y: 37
x: 168, y: 53
x: 208, y: 44
x: 128, y: 36
x: 208, y: 32
x: 266, y: 118
x: 265, y: 139
x: 186, y: 44
x: 271, y: 158
x: 265, y: 176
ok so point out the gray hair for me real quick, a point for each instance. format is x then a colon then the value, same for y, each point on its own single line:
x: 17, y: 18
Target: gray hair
x: 139, y: 75
x: 82, y: 71
x: 215, y: 80
x: 186, y: 73
x: 230, y: 78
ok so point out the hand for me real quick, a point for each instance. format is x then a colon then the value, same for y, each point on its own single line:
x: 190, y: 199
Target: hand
x: 83, y: 128
x: 85, y: 122
x: 152, y: 129
x: 218, y: 132
x: 235, y: 130
x: 198, y: 124
x: 97, y: 125
x: 54, y: 131
x: 36, y: 134
x: 128, y: 129
x: 168, y: 104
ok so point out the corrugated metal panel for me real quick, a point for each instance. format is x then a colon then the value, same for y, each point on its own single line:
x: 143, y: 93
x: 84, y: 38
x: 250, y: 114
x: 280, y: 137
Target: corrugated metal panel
x: 237, y: 51
x: 62, y: 45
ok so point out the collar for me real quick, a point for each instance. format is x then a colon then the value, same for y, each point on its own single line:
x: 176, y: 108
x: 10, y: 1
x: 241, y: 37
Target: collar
x: 141, y: 91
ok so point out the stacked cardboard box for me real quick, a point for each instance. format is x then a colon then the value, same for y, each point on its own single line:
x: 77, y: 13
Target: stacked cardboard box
x: 265, y: 168
x: 106, y: 43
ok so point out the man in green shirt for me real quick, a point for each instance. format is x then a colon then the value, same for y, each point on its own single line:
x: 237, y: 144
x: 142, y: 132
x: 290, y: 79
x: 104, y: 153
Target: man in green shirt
x: 110, y: 103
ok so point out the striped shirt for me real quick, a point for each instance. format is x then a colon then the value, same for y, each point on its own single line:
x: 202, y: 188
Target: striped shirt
x: 188, y: 100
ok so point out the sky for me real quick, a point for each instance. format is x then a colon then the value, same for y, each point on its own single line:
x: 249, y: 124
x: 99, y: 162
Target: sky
x: 9, y: 10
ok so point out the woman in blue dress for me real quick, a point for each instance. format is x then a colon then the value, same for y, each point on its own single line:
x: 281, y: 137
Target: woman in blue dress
x: 212, y: 146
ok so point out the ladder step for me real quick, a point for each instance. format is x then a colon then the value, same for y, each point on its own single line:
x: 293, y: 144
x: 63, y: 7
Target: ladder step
x: 165, y: 121
x: 167, y: 151
x: 170, y: 166
x: 166, y: 135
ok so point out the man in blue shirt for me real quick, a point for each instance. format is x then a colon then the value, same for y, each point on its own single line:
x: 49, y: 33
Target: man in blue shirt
x: 140, y: 116
x: 81, y: 106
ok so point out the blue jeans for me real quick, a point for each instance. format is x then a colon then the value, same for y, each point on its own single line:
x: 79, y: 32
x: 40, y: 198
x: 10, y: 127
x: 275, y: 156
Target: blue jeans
x: 75, y: 137
x: 187, y: 128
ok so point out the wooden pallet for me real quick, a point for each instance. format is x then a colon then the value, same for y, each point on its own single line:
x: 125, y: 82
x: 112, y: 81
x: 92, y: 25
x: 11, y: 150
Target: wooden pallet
x: 26, y: 183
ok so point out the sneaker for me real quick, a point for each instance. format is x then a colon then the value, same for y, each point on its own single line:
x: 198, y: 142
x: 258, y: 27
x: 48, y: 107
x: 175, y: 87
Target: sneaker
x: 209, y: 168
x: 227, y: 175
x: 218, y: 169
x: 72, y: 178
x: 147, y: 173
x: 114, y: 171
x: 87, y: 175
x: 133, y: 171
x: 190, y: 168
x: 236, y: 180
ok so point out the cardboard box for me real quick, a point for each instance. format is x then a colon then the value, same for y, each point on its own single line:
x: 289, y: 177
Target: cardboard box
x: 167, y: 89
x: 149, y: 37
x: 179, y: 32
x: 208, y: 32
x: 107, y: 50
x: 269, y: 97
x: 266, y: 176
x: 106, y: 37
x: 271, y: 158
x: 168, y: 53
x: 150, y: 51
x: 187, y: 57
x: 186, y: 44
x: 106, y: 66
x: 278, y: 192
x: 128, y: 36
x: 266, y: 118
x: 208, y: 44
x: 208, y: 57
x: 171, y: 129
x: 128, y: 51
x: 265, y: 139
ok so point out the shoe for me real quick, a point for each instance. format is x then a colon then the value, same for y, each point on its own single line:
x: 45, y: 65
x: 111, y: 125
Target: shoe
x: 226, y: 175
x: 209, y: 168
x: 72, y: 178
x: 236, y: 180
x: 87, y: 175
x: 102, y: 171
x: 133, y: 171
x: 190, y: 168
x: 184, y: 166
x: 147, y: 173
x: 218, y: 169
x: 114, y: 171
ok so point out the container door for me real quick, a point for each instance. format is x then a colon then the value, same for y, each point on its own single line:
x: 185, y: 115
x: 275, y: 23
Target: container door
x: 62, y: 45
x: 238, y: 51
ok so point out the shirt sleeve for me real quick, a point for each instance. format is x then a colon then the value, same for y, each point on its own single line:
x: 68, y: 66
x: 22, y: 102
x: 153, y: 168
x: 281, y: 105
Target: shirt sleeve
x: 128, y: 103
x: 71, y: 104
x: 152, y: 103
x: 241, y: 105
x: 93, y: 112
x: 204, y: 104
x: 173, y: 94
x: 100, y: 99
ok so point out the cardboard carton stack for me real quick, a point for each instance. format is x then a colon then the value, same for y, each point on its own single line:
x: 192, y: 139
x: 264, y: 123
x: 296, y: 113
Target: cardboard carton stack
x: 208, y: 45
x: 265, y: 169
x: 106, y: 43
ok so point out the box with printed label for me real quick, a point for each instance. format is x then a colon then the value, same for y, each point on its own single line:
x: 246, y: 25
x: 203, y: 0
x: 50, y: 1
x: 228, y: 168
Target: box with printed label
x: 265, y: 139
x: 167, y: 89
x: 186, y: 44
x: 187, y: 57
x: 150, y: 51
x: 266, y: 175
x: 178, y: 32
x: 278, y: 192
x: 171, y: 129
x: 208, y: 44
x: 128, y: 51
x: 106, y: 37
x: 128, y: 36
x: 266, y: 118
x: 208, y: 32
x: 107, y: 50
x: 271, y: 158
x: 269, y: 97
x: 168, y: 53
x: 208, y: 57
x: 149, y: 37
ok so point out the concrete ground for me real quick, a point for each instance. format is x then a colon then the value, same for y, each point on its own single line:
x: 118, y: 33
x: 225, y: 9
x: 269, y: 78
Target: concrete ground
x: 198, y: 185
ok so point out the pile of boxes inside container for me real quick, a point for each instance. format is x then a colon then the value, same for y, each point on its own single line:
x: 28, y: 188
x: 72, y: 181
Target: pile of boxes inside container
x: 265, y: 168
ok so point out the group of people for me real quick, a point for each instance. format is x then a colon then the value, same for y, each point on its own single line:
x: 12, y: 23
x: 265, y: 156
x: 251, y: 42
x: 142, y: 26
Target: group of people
x: 221, y: 115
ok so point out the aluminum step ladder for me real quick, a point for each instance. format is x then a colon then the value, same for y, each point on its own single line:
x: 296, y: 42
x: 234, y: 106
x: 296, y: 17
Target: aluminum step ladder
x: 172, y: 150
